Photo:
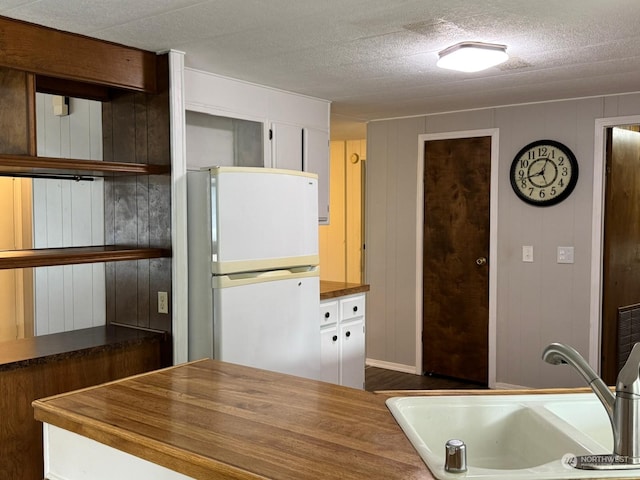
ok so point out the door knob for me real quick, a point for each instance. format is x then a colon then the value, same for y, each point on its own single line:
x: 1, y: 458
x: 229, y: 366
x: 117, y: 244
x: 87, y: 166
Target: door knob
x: 481, y: 261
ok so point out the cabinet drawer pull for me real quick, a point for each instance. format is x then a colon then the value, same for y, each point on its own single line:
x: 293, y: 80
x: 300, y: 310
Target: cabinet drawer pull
x: 327, y: 315
x: 355, y: 309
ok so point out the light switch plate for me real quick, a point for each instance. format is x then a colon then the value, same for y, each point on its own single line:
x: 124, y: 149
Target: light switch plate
x: 565, y: 254
x: 527, y: 253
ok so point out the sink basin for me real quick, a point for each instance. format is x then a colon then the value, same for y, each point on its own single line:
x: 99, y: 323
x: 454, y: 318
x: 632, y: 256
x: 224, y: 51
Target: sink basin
x: 509, y: 436
x: 587, y: 416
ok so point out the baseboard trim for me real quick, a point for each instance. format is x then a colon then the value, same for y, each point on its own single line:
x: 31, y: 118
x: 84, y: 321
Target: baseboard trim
x: 509, y: 386
x: 398, y: 367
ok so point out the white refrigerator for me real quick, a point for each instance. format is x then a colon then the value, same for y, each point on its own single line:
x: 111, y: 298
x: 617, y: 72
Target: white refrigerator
x: 254, y: 285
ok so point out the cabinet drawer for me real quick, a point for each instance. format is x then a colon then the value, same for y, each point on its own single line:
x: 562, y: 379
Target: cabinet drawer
x: 328, y: 313
x: 352, y: 307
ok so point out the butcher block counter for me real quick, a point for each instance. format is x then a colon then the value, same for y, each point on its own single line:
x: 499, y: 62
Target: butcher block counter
x: 332, y: 289
x: 209, y: 419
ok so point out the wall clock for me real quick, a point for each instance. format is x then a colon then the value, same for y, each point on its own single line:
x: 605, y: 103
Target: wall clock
x: 544, y: 173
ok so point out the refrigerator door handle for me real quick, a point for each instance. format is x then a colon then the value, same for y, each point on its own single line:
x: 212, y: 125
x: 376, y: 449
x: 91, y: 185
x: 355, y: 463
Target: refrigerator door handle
x: 237, y: 279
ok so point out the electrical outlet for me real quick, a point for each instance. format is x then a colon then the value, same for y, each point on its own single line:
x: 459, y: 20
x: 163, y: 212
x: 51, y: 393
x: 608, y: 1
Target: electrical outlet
x: 163, y: 302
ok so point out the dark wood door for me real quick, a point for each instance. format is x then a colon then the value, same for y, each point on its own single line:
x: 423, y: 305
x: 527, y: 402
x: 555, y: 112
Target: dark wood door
x: 456, y: 247
x: 621, y: 257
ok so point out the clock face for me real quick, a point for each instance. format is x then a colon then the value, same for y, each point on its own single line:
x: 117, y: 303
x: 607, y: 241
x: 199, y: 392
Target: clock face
x: 544, y: 173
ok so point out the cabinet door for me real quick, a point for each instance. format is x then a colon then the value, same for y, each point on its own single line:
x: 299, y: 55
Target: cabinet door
x: 329, y: 352
x: 352, y: 353
x: 286, y: 146
x: 316, y: 160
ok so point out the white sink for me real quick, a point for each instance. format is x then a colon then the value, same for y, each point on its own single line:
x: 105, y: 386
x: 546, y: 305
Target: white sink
x: 588, y: 416
x: 509, y: 436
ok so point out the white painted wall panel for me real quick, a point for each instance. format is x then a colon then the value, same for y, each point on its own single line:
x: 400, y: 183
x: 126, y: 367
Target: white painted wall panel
x: 390, y: 239
x: 68, y: 213
x: 251, y: 101
x: 289, y: 107
x: 537, y: 303
x: 377, y: 197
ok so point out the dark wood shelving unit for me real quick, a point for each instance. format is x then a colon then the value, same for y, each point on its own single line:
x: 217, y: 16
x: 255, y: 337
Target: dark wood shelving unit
x: 25, y: 165
x: 133, y: 88
x: 74, y: 255
x: 32, y: 166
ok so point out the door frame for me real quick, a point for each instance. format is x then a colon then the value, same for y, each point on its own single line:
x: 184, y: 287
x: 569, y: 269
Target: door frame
x: 493, y: 240
x: 597, y: 231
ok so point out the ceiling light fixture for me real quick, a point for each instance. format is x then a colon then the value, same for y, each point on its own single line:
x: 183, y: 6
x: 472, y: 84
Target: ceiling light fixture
x: 472, y: 56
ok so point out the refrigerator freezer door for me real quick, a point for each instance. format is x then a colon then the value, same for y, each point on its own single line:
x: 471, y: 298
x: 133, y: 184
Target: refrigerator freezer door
x: 269, y: 324
x: 263, y: 219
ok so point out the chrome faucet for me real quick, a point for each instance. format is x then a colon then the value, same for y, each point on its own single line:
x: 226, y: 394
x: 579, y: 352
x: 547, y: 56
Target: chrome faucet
x: 623, y: 408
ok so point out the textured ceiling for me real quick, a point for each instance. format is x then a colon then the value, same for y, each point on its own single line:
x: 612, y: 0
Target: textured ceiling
x: 376, y: 58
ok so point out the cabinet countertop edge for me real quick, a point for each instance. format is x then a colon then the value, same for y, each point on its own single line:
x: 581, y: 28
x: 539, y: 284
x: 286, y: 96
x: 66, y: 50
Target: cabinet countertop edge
x: 27, y: 352
x: 331, y: 289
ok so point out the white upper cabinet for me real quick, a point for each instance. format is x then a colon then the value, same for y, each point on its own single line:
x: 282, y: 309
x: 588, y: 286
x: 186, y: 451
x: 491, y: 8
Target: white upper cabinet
x: 295, y: 127
x: 316, y: 160
x: 286, y: 146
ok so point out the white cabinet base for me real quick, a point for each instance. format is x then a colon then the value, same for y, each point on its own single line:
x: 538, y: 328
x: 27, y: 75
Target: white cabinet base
x: 342, y: 331
x: 352, y: 353
x: 69, y: 456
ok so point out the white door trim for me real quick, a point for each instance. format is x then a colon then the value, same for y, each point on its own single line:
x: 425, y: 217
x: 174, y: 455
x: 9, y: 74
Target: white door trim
x: 179, y: 275
x: 493, y: 240
x: 597, y: 231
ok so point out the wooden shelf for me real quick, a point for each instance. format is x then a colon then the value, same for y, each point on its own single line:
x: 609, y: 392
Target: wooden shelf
x: 28, y: 165
x: 74, y: 255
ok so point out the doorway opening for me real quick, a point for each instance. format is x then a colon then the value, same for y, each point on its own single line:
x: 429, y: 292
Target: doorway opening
x: 341, y: 242
x: 454, y: 330
x: 620, y: 277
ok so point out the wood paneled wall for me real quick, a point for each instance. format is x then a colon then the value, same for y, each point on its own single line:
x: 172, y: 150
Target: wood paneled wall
x: 17, y: 112
x: 138, y: 208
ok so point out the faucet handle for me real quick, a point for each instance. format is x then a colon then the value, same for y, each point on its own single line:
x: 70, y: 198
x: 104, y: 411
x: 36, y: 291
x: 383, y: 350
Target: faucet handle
x: 629, y: 376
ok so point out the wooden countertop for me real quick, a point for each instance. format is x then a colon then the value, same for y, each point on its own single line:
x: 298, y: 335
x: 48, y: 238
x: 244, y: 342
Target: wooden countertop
x: 331, y: 289
x: 29, y: 351
x: 210, y: 419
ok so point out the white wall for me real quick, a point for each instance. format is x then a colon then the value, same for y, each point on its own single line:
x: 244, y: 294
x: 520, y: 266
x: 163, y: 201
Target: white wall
x: 68, y: 213
x: 537, y: 303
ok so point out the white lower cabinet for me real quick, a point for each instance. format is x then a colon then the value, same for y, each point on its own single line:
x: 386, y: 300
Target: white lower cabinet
x: 69, y: 456
x: 342, y: 323
x: 330, y: 354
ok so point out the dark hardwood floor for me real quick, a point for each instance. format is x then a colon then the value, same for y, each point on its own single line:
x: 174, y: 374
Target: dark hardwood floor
x: 383, y: 379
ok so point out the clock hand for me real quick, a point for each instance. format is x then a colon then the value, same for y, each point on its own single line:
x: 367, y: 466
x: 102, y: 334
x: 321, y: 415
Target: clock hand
x: 541, y: 172
x: 544, y: 167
